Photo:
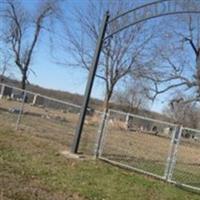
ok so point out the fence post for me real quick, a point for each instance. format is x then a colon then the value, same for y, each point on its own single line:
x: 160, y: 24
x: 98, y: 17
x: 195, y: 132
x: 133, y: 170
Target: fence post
x: 101, y: 134
x: 127, y: 120
x: 168, y: 161
x: 20, y: 111
x: 171, y: 161
x: 90, y: 81
x: 2, y: 91
x: 35, y: 99
x: 174, y: 155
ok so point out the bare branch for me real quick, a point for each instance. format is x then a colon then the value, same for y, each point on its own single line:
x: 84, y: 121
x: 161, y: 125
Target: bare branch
x: 19, y: 31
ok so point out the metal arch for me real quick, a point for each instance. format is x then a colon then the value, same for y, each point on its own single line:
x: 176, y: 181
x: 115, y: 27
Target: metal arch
x: 137, y: 8
x: 147, y: 18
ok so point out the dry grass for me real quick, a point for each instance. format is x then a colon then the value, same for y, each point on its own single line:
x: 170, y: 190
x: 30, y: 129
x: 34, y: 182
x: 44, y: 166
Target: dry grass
x: 32, y: 169
x: 150, y: 146
x: 48, y: 123
x: 140, y: 150
x: 150, y: 152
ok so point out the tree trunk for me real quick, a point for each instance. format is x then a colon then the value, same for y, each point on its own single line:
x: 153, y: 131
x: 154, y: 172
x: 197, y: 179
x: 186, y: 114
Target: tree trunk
x: 23, y: 86
x: 23, y: 82
x: 107, y: 100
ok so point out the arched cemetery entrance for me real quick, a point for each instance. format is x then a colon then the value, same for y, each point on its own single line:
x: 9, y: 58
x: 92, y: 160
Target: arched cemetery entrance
x: 121, y: 22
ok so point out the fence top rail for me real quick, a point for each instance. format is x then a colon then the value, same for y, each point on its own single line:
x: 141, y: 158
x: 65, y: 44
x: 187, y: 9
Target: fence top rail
x: 153, y: 120
x: 144, y: 118
x: 99, y: 112
x: 16, y: 88
x: 46, y: 97
x: 191, y: 129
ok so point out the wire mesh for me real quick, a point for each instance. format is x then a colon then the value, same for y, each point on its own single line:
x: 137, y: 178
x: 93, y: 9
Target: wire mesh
x: 144, y: 144
x: 187, y: 168
x: 39, y: 115
x: 10, y: 105
x: 47, y: 117
x: 90, y: 130
x: 138, y: 142
x: 50, y: 118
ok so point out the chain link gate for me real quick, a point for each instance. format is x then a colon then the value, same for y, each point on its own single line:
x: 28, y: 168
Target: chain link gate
x: 153, y: 147
x: 186, y: 170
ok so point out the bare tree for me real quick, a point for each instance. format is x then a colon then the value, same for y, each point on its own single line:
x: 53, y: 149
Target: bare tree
x: 133, y: 95
x: 120, y: 54
x: 180, y: 112
x: 22, y: 31
x: 176, y: 59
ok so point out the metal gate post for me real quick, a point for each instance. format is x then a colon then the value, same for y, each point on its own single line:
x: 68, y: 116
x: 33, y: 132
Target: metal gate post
x: 174, y: 155
x: 90, y: 81
x: 171, y: 161
x: 101, y: 134
x: 168, y: 162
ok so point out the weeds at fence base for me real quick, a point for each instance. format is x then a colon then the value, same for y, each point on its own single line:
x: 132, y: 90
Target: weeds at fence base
x: 79, y: 156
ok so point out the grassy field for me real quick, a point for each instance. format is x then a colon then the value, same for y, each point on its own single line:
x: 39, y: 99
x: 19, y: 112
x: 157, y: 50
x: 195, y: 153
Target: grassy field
x: 32, y: 168
x: 150, y: 152
x: 30, y: 157
x: 50, y: 123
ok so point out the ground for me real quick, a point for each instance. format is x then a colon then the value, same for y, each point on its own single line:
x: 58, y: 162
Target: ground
x: 150, y: 152
x: 32, y: 168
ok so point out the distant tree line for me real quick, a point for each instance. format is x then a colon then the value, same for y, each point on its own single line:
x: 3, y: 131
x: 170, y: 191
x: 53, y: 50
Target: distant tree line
x: 136, y: 66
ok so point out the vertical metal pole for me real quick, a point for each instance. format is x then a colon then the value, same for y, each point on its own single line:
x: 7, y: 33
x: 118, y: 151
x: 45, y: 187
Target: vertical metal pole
x: 98, y: 135
x: 174, y: 155
x: 21, y: 111
x: 104, y: 134
x: 169, y: 157
x: 101, y: 132
x: 90, y: 81
x: 171, y: 161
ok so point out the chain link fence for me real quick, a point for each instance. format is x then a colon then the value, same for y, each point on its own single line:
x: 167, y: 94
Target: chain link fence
x: 187, y: 167
x: 46, y: 117
x: 153, y: 147
x: 9, y: 109
x: 164, y: 150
